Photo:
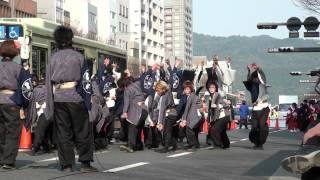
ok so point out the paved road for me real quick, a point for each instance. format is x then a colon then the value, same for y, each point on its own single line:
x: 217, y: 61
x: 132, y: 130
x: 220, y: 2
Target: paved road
x: 239, y: 162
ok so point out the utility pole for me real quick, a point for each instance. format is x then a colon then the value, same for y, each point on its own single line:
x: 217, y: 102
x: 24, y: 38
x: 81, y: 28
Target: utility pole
x: 12, y: 8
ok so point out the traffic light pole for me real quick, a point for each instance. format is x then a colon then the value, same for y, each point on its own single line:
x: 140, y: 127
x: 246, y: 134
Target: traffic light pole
x: 270, y: 25
x: 293, y: 49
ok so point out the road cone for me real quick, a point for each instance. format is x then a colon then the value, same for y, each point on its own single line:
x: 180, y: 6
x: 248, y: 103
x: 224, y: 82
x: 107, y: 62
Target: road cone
x: 142, y: 135
x: 205, y: 127
x: 277, y: 124
x: 25, y: 140
x: 233, y: 125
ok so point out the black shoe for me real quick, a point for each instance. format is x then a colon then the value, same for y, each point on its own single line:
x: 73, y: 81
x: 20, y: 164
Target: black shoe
x: 193, y: 149
x: 86, y: 167
x: 67, y: 168
x: 139, y: 148
x: 174, y: 148
x: 34, y: 151
x: 162, y: 150
x: 187, y: 147
x: 257, y: 147
x: 8, y: 167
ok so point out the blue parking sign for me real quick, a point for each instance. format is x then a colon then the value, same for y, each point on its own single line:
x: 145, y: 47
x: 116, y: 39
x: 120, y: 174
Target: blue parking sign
x: 13, y: 32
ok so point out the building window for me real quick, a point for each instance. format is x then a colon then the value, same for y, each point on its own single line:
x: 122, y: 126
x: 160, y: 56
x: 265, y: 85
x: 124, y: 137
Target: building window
x: 126, y: 28
x: 168, y: 10
x: 168, y: 38
x: 59, y: 14
x: 127, y: 13
x: 120, y: 10
x: 120, y: 26
x: 113, y: 14
x: 124, y: 11
x: 59, y: 3
x: 66, y: 18
x: 168, y: 18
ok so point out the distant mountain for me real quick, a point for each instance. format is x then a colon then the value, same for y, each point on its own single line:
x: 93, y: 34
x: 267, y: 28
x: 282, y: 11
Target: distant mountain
x: 244, y: 50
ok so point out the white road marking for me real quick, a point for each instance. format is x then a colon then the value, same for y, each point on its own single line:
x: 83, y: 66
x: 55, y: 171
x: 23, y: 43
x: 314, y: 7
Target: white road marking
x: 207, y: 148
x: 178, y: 155
x: 232, y: 142
x: 277, y: 131
x: 245, y: 139
x: 77, y: 156
x: 126, y: 167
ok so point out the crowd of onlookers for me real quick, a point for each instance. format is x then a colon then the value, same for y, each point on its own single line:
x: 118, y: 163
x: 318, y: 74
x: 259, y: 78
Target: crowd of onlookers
x: 302, y: 117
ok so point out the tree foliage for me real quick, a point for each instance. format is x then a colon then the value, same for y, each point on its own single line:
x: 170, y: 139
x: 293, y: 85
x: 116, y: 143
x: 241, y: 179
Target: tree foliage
x: 310, y: 5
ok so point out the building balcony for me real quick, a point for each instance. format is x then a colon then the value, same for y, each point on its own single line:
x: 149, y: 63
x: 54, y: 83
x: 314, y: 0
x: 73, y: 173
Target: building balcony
x: 168, y: 27
x: 143, y: 8
x: 143, y: 34
x: 143, y: 21
x: 143, y: 47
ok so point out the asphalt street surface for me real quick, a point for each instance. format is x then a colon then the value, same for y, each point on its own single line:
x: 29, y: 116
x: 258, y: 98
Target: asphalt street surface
x: 239, y: 162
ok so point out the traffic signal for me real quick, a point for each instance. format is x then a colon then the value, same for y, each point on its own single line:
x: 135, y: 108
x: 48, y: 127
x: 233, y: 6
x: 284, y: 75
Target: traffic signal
x: 295, y: 73
x: 286, y: 49
x: 314, y: 73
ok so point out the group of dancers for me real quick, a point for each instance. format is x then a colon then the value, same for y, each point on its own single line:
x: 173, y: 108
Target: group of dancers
x: 166, y: 102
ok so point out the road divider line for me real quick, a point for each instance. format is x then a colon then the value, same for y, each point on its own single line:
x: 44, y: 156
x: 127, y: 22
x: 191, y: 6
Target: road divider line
x: 77, y: 156
x: 126, y: 167
x: 277, y: 131
x: 178, y: 155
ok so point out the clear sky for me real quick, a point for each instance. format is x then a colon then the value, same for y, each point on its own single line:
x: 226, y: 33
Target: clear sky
x: 240, y: 17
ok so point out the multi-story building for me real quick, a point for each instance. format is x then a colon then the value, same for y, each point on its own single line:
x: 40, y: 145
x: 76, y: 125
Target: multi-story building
x: 147, y: 36
x: 18, y: 8
x: 178, y: 30
x: 122, y: 33
x: 106, y: 21
x: 82, y: 17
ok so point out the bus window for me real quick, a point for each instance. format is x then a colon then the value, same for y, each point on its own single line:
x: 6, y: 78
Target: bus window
x: 39, y: 60
x: 80, y: 50
x: 89, y: 62
x: 53, y: 48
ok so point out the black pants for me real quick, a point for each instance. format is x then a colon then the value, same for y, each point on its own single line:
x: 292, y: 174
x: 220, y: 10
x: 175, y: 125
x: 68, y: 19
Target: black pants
x: 43, y: 133
x: 192, y: 136
x: 244, y: 122
x: 10, y: 130
x: 134, y: 132
x: 260, y: 126
x: 110, y: 126
x: 72, y: 126
x: 152, y: 137
x: 123, y: 134
x: 170, y: 132
x: 218, y: 132
x: 312, y: 174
